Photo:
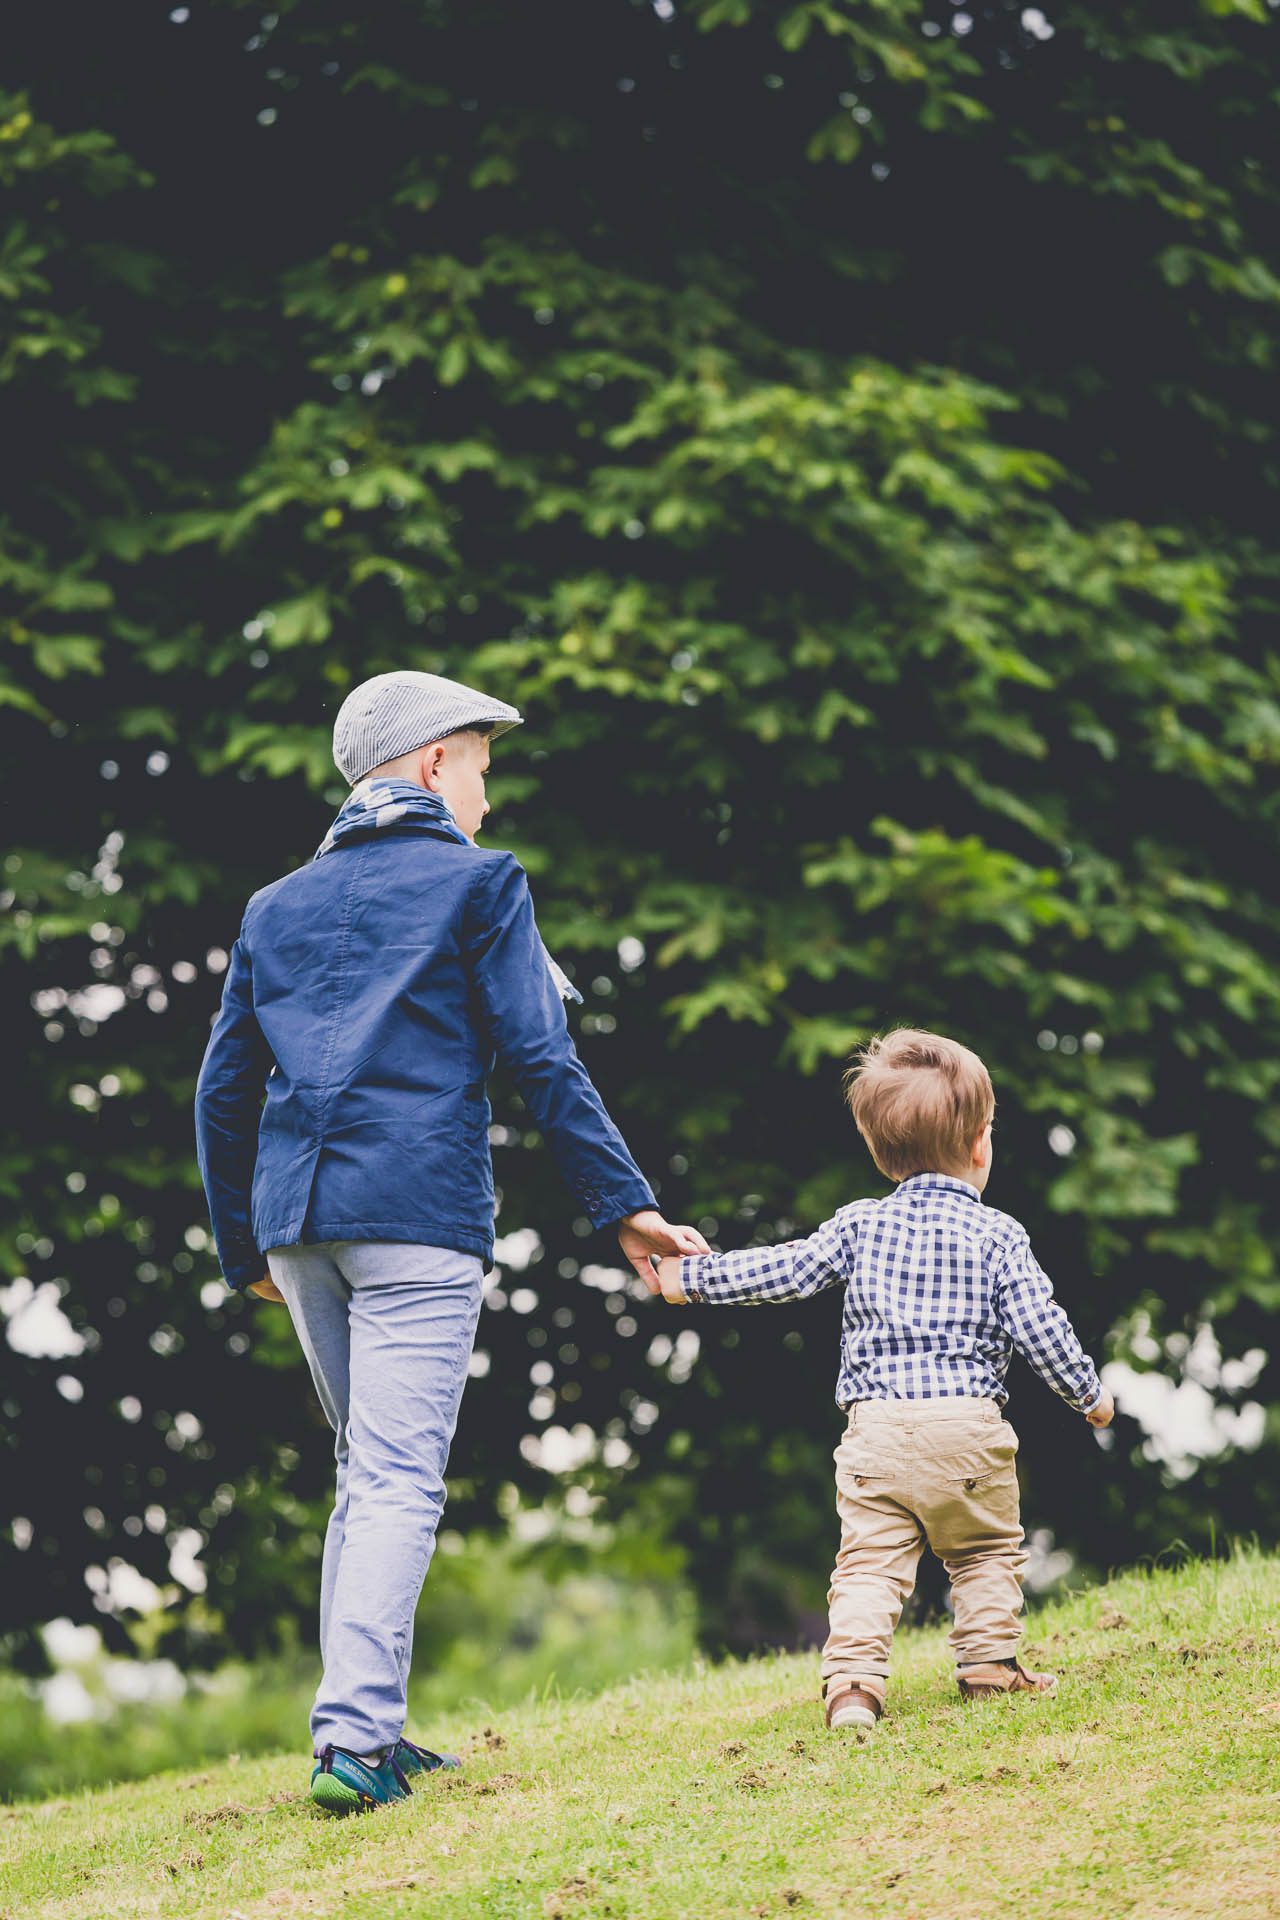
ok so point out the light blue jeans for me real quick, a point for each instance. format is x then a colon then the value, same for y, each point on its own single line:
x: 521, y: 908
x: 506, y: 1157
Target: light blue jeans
x: 387, y: 1330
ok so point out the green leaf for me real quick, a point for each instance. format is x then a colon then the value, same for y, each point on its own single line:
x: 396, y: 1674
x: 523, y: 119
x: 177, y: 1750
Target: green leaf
x: 57, y: 655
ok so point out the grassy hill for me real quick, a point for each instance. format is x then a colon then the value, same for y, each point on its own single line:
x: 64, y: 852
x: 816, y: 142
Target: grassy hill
x: 1149, y: 1787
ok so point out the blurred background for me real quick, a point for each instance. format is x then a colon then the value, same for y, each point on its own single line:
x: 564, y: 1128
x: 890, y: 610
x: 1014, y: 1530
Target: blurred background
x: 846, y: 429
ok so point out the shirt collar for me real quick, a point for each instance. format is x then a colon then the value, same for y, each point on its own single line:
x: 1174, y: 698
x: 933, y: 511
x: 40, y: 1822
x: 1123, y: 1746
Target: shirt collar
x: 927, y: 1182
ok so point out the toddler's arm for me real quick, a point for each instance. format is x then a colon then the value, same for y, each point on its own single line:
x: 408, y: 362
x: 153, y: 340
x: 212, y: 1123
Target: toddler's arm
x: 759, y: 1276
x: 1042, y: 1333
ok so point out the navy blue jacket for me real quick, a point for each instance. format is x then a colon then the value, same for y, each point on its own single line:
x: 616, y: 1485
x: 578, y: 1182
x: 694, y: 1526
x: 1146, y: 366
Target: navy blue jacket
x: 370, y: 994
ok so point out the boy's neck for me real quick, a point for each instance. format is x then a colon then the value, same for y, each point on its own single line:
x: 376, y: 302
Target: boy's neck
x: 969, y: 1178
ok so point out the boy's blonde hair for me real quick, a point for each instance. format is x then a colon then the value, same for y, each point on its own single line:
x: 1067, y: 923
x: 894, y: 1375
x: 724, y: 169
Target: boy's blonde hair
x: 919, y: 1101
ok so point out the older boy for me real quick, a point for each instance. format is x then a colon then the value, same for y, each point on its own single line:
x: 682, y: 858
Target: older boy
x: 939, y: 1290
x: 369, y: 994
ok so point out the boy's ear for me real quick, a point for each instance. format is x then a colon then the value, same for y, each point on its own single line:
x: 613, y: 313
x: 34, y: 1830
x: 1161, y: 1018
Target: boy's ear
x: 429, y: 765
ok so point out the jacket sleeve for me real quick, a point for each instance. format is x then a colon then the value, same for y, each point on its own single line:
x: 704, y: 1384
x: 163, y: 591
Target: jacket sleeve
x: 525, y: 1021
x: 229, y: 1093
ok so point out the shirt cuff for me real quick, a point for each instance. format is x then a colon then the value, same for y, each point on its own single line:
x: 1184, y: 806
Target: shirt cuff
x: 689, y: 1265
x: 1090, y: 1398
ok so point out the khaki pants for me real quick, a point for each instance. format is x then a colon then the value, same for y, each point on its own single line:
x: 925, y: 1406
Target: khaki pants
x: 911, y: 1471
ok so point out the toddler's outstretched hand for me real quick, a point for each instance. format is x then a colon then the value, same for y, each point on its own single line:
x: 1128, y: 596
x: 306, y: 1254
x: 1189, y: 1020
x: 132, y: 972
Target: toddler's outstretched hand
x: 1103, y: 1414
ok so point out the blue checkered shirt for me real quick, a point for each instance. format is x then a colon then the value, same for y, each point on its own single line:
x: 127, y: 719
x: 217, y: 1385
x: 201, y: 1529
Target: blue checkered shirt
x: 939, y: 1290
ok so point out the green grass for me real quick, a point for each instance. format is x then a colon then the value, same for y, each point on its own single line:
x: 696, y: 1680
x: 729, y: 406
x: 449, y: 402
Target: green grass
x: 1147, y: 1788
x: 496, y: 1623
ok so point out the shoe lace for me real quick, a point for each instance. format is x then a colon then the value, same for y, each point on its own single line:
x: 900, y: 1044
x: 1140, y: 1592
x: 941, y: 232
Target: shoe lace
x: 423, y: 1755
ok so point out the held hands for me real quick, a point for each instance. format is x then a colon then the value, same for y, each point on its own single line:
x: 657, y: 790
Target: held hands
x: 641, y: 1234
x: 266, y: 1288
x: 1103, y: 1414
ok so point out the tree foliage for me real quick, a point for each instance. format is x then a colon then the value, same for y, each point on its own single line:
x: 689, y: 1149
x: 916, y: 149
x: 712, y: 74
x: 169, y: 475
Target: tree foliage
x: 845, y: 431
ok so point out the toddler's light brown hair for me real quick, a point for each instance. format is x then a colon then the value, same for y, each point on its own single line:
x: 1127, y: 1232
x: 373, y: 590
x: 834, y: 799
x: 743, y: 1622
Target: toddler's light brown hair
x: 919, y: 1101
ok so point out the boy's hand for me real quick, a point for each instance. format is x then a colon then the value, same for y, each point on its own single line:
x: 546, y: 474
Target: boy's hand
x: 266, y: 1288
x: 669, y: 1282
x: 641, y: 1234
x: 1104, y: 1413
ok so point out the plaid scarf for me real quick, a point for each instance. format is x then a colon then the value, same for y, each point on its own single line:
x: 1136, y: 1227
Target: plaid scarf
x: 385, y: 803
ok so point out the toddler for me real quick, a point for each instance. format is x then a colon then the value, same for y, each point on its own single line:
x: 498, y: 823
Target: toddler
x: 939, y: 1290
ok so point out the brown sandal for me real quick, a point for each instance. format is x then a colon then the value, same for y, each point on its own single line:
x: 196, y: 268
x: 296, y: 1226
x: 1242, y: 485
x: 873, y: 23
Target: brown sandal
x: 985, y: 1681
x: 849, y: 1705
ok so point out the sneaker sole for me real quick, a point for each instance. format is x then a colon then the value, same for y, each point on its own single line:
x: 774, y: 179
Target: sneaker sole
x: 334, y: 1796
x: 860, y: 1717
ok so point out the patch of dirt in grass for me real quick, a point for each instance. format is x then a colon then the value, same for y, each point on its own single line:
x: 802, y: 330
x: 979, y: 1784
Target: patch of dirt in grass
x: 496, y: 1783
x: 565, y: 1901
x: 188, y: 1861
x: 786, y: 1900
x: 231, y: 1815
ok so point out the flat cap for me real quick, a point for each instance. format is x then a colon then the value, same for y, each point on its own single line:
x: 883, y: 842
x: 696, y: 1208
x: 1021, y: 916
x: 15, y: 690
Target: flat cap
x: 395, y: 712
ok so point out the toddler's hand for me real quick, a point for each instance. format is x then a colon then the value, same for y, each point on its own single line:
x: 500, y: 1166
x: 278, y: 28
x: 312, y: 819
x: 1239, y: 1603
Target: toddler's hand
x: 266, y: 1288
x: 669, y: 1282
x: 1103, y: 1414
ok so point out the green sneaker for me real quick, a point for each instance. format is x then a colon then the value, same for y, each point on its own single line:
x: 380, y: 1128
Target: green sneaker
x: 343, y: 1784
x: 411, y: 1759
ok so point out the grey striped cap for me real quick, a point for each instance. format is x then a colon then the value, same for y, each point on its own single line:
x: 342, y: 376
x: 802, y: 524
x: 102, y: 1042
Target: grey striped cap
x: 395, y: 712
